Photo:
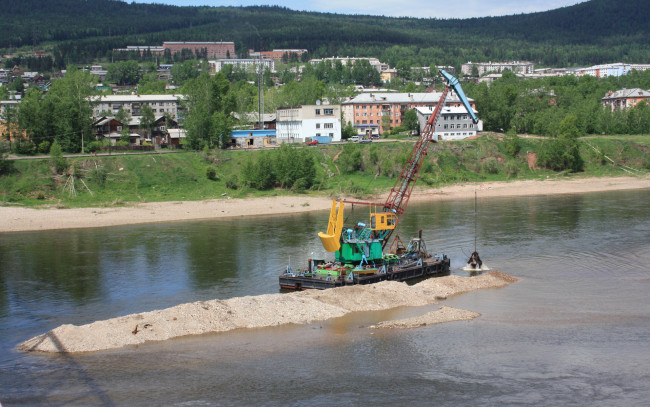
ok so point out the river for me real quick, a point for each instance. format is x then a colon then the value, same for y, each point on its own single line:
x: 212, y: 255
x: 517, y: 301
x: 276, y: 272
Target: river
x: 575, y: 330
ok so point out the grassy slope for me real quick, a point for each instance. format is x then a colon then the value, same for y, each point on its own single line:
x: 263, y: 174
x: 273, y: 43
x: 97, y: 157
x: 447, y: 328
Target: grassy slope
x: 183, y: 176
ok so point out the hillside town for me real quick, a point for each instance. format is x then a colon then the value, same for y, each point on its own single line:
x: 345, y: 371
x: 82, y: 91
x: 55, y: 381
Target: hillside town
x: 122, y: 114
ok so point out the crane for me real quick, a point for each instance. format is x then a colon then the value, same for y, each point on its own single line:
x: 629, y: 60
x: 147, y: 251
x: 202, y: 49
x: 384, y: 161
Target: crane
x: 399, y: 195
x: 383, y: 223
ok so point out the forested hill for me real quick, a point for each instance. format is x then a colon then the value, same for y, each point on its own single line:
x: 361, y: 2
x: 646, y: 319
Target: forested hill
x: 596, y: 31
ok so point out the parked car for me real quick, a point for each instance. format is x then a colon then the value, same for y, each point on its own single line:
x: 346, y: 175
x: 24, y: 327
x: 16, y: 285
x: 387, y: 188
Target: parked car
x: 354, y: 139
x: 365, y: 140
x: 313, y: 142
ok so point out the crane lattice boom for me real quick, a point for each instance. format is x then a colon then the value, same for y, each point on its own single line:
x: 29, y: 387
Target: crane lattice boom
x: 401, y: 192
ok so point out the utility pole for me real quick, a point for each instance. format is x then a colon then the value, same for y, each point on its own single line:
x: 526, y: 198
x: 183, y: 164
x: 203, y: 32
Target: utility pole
x: 260, y: 93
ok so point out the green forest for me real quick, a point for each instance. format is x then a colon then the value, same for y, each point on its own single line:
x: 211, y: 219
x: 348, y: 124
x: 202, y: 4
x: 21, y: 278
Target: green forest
x: 79, y: 31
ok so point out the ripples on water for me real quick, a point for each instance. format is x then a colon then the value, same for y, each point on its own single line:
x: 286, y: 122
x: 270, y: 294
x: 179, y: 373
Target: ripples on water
x: 574, y: 331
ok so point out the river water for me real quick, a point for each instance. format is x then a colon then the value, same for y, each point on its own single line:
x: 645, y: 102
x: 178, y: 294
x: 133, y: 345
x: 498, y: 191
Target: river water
x: 574, y: 331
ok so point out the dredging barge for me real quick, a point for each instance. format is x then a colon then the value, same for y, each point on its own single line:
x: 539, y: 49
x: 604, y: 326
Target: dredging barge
x: 412, y: 262
x: 359, y: 251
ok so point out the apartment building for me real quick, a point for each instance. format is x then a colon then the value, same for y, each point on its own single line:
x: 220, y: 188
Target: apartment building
x: 625, y: 98
x: 522, y: 67
x: 217, y: 66
x: 605, y: 70
x: 371, y: 108
x: 214, y: 50
x: 454, y: 122
x: 160, y: 104
x: 276, y: 54
x: 308, y: 122
x: 345, y: 61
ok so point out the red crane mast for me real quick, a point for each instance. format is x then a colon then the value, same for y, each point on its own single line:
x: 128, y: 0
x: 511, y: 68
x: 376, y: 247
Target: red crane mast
x: 401, y: 192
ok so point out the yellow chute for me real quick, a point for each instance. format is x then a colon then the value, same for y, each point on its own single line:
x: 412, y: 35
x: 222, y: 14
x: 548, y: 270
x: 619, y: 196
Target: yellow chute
x: 332, y: 238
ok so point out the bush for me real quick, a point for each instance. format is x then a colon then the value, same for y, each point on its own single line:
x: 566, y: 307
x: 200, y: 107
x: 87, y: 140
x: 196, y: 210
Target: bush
x: 94, y: 146
x: 211, y: 173
x: 301, y: 185
x: 6, y: 166
x: 491, y: 165
x: 98, y: 175
x: 512, y: 169
x: 44, y: 147
x: 58, y: 160
x: 232, y: 182
x: 512, y: 142
x: 26, y: 147
x: 561, y: 154
x: 122, y: 143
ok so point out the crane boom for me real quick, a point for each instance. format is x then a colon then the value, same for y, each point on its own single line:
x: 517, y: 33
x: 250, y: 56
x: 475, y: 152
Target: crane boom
x: 401, y: 192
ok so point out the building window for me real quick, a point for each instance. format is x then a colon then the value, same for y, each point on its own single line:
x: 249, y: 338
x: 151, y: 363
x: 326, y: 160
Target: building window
x: 446, y: 126
x: 328, y: 112
x: 318, y: 125
x: 331, y: 134
x: 317, y: 134
x: 329, y: 125
x: 317, y: 111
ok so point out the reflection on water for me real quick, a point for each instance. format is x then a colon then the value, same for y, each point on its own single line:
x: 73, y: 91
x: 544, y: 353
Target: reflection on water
x: 574, y: 330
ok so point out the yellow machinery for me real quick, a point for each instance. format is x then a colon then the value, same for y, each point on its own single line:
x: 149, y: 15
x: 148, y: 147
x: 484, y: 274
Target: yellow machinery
x: 332, y: 238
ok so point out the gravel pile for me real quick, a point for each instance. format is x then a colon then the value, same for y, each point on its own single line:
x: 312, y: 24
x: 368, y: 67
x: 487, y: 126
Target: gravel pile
x: 257, y: 312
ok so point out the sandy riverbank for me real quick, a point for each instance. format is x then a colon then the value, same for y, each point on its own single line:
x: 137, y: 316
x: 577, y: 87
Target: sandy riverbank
x: 14, y: 219
x: 266, y: 311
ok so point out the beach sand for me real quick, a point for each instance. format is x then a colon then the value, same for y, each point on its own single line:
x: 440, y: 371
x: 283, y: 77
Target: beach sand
x: 267, y: 311
x: 15, y: 219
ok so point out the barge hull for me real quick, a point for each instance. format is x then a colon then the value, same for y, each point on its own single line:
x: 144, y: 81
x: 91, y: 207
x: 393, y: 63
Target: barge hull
x: 429, y: 267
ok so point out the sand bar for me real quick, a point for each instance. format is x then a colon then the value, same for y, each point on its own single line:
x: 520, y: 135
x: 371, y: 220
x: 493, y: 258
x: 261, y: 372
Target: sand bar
x: 262, y: 311
x: 15, y: 219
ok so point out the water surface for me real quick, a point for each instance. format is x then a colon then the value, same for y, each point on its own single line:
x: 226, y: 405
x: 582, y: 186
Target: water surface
x: 574, y: 331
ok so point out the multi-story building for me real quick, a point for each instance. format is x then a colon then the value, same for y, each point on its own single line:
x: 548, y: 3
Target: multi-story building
x: 161, y: 104
x: 389, y: 108
x: 214, y: 50
x: 374, y: 62
x: 625, y: 98
x: 276, y: 54
x: 617, y: 69
x: 308, y: 122
x: 217, y: 65
x: 454, y: 122
x: 141, y: 49
x: 522, y: 67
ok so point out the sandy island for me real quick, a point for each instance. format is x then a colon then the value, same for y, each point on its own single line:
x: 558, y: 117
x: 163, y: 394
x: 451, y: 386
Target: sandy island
x: 266, y: 311
x: 15, y: 219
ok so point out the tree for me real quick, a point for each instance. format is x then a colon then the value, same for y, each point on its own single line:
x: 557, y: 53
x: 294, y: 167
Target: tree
x: 210, y: 106
x: 123, y: 72
x: 183, y: 71
x: 411, y: 121
x: 385, y: 124
x: 70, y: 104
x: 147, y: 119
x: 348, y: 131
x: 123, y: 116
x: 563, y: 152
